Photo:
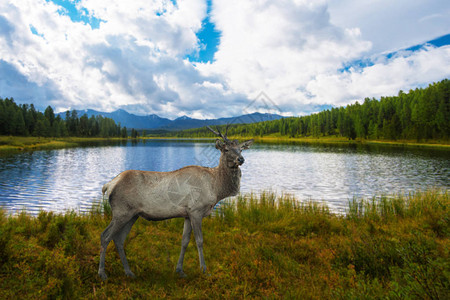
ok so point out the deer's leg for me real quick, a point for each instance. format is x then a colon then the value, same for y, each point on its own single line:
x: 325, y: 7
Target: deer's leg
x: 119, y: 240
x: 104, y: 244
x: 196, y: 223
x: 106, y: 237
x: 184, y: 243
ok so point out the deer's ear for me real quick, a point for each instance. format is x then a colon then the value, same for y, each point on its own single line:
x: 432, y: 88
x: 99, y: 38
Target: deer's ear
x: 246, y: 144
x: 220, y: 145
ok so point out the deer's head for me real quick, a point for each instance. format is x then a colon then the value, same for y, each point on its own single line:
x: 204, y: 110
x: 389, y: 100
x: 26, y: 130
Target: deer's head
x: 231, y: 150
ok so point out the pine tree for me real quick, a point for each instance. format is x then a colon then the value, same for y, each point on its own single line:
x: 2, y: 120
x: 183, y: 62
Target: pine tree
x: 18, y: 125
x: 49, y: 115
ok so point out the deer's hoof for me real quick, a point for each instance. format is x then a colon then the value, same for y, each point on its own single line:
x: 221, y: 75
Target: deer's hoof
x: 130, y: 274
x: 206, y: 274
x: 180, y: 273
x: 102, y: 275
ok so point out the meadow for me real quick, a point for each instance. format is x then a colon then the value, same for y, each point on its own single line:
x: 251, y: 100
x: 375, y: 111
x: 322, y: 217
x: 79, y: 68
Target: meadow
x: 256, y: 246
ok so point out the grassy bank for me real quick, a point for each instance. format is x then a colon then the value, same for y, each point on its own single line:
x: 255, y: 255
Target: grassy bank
x: 279, y: 139
x: 254, y: 247
x: 28, y: 143
x: 343, y: 140
x: 14, y: 144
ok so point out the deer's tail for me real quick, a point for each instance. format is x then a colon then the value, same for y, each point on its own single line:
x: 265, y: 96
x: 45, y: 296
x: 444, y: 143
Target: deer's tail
x: 105, y: 191
x: 108, y: 188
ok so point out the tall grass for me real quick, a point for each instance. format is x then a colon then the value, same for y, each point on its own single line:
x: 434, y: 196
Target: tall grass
x: 399, y: 206
x: 256, y: 246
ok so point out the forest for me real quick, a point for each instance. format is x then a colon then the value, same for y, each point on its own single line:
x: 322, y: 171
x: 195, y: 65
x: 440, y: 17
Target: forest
x: 25, y: 120
x: 422, y: 114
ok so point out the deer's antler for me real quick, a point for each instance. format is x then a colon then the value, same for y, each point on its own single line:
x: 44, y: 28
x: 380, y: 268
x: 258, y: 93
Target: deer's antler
x: 226, y: 129
x: 224, y: 137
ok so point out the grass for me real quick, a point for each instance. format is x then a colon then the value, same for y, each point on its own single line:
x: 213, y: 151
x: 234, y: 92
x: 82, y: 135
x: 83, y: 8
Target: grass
x: 276, y: 138
x: 10, y: 144
x: 255, y: 247
x: 28, y: 143
x: 13, y: 144
x: 432, y: 143
x: 335, y: 140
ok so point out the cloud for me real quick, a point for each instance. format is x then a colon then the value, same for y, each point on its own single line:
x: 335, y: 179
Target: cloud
x: 12, y: 82
x: 393, y: 25
x: 109, y: 67
x: 293, y: 52
x: 137, y: 56
x: 278, y: 47
x: 406, y: 70
x: 160, y: 25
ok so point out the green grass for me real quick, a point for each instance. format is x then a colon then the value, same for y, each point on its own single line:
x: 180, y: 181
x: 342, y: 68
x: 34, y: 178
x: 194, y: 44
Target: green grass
x: 13, y: 144
x: 279, y: 139
x: 255, y: 247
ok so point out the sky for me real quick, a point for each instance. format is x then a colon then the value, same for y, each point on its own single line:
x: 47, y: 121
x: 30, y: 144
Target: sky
x: 224, y: 58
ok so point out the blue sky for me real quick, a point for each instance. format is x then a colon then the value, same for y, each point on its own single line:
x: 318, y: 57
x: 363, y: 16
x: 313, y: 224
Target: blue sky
x: 360, y: 64
x: 208, y: 59
x: 208, y: 37
x: 76, y: 14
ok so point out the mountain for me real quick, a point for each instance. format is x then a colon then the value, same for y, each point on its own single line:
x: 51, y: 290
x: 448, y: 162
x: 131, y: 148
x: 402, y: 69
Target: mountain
x: 187, y: 123
x: 155, y: 122
x: 126, y: 119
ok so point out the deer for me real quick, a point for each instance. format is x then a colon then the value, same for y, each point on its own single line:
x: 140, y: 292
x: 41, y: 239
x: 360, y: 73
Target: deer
x: 190, y: 193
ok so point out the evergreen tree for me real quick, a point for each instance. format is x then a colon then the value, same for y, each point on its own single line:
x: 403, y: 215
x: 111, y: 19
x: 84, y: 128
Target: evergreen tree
x: 18, y: 125
x: 124, y: 132
x: 42, y: 127
x: 49, y: 115
x: 83, y: 126
x: 134, y: 133
x: 418, y: 114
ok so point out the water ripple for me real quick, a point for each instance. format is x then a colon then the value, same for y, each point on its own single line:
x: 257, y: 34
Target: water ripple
x: 60, y: 180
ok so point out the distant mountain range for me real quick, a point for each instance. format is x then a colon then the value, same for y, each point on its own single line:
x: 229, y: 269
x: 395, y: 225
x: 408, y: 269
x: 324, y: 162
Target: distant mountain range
x: 153, y: 122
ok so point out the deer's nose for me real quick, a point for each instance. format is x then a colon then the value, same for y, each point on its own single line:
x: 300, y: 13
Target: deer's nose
x: 241, y: 160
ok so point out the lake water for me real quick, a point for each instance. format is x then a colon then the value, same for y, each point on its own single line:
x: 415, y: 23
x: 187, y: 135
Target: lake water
x: 59, y: 180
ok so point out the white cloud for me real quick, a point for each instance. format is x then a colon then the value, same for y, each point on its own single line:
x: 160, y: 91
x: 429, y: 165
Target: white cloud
x: 402, y: 72
x: 393, y: 25
x: 278, y: 47
x: 292, y: 50
x: 158, y: 24
x: 103, y: 68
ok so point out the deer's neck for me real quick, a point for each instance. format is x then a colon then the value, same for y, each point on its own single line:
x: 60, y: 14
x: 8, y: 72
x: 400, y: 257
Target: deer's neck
x: 228, y: 180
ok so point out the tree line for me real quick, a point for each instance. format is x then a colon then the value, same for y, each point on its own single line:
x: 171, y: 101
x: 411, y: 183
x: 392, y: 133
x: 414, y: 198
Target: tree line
x: 25, y: 120
x: 420, y: 114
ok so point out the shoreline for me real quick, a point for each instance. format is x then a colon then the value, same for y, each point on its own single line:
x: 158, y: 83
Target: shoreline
x: 17, y: 144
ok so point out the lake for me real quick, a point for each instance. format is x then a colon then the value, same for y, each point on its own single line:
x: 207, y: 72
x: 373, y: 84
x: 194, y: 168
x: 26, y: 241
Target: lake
x: 59, y: 180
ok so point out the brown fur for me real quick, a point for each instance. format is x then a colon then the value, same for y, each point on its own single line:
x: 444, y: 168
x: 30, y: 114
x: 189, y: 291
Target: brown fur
x: 190, y: 192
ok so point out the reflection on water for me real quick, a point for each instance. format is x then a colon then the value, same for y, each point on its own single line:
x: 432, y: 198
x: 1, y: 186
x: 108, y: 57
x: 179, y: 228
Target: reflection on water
x: 64, y: 179
x: 336, y: 174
